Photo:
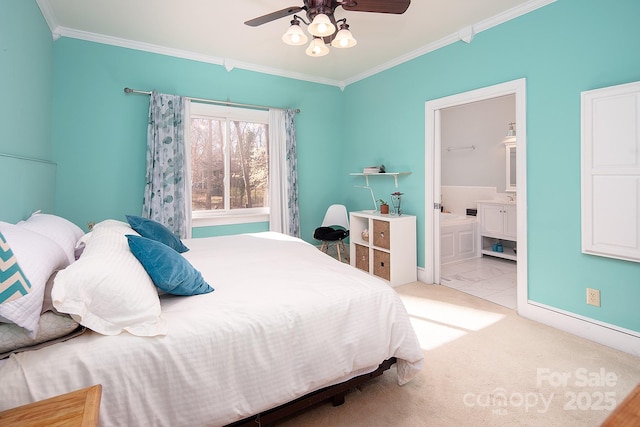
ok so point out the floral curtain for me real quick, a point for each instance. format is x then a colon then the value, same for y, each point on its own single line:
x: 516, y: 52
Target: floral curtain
x: 167, y: 194
x: 284, y: 215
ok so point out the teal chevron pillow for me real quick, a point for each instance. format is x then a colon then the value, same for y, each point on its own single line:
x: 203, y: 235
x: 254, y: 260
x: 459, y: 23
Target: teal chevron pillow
x: 169, y: 271
x: 13, y: 283
x: 154, y: 230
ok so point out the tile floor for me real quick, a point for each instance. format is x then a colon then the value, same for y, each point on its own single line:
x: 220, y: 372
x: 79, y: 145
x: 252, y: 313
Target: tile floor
x: 490, y: 278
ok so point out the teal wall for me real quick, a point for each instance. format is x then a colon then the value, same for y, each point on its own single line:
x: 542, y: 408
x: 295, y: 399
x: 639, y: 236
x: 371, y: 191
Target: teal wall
x: 99, y: 136
x: 562, y: 49
x: 26, y: 66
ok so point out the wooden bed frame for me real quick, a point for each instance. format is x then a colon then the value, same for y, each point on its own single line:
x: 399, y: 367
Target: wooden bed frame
x: 335, y: 393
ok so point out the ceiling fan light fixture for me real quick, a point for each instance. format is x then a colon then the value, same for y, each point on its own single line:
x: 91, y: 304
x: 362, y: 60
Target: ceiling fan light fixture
x: 294, y: 35
x: 321, y: 26
x: 344, y: 39
x: 317, y: 48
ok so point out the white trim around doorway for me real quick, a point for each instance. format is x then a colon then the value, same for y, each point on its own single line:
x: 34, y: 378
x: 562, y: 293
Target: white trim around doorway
x: 431, y: 272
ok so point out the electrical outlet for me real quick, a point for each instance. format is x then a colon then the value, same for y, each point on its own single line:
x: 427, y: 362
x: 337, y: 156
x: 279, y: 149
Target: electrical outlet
x: 593, y: 297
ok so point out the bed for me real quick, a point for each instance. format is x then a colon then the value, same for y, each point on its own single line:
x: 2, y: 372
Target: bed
x: 280, y: 321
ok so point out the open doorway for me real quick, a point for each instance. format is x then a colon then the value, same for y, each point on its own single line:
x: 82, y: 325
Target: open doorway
x: 473, y: 171
x: 433, y: 177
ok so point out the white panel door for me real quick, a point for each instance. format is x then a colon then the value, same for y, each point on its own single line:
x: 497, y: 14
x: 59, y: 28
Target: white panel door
x: 611, y: 172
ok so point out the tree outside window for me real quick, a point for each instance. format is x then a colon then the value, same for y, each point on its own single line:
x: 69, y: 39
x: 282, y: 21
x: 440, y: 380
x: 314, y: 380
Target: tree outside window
x: 229, y: 160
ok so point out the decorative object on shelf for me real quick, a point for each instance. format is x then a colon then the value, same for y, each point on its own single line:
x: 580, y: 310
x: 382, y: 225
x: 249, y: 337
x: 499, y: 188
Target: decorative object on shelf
x: 396, y: 198
x: 365, y: 234
x: 371, y: 169
x: 382, y: 169
x: 322, y: 23
x: 384, y: 207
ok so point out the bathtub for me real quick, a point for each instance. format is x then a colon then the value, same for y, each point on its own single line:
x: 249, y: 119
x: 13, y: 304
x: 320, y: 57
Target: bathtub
x: 458, y: 237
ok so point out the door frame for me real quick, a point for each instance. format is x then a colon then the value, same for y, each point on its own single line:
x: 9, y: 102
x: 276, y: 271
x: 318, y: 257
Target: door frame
x: 433, y: 151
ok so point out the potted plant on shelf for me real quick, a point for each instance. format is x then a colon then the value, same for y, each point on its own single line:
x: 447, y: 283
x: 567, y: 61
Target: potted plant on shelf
x: 384, y: 206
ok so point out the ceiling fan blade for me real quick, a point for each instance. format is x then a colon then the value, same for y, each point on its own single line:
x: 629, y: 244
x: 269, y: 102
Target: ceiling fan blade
x: 273, y: 16
x: 379, y: 6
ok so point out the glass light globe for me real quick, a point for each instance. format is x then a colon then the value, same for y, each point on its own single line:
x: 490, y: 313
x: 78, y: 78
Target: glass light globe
x: 321, y: 26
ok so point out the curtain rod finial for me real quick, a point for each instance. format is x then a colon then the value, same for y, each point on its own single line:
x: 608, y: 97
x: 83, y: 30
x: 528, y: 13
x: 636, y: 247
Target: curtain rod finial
x: 127, y: 90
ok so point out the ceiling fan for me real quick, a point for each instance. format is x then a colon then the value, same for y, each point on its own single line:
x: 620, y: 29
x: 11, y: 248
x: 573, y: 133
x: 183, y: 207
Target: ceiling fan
x: 323, y: 24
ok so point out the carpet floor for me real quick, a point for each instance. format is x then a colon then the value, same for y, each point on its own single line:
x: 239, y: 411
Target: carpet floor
x: 487, y: 366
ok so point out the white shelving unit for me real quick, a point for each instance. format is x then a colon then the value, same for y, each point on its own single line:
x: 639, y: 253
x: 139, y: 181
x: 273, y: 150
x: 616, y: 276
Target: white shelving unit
x: 390, y: 251
x: 395, y: 175
x: 498, y: 224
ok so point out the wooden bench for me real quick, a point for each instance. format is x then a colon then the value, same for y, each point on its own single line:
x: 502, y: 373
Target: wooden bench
x: 78, y: 408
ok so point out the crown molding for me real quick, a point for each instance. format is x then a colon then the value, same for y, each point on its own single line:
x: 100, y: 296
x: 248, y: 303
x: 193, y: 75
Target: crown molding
x: 510, y: 14
x: 283, y: 73
x: 50, y: 18
x: 132, y: 44
x: 228, y: 63
x: 465, y: 34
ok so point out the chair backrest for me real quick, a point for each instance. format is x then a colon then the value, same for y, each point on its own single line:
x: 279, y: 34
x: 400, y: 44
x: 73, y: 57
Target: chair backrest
x: 336, y: 215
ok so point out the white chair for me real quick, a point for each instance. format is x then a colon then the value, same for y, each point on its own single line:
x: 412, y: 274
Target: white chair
x: 334, y: 229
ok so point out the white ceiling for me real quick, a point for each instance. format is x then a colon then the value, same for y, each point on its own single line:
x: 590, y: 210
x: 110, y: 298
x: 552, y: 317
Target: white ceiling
x: 214, y: 31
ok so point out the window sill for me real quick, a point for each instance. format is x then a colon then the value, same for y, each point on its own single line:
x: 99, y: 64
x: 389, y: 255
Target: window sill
x: 213, y: 220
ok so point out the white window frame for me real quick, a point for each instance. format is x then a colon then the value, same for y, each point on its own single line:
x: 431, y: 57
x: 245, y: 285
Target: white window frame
x: 226, y: 216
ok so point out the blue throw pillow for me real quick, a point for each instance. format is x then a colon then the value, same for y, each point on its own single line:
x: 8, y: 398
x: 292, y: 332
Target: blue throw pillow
x: 169, y: 270
x: 156, y: 231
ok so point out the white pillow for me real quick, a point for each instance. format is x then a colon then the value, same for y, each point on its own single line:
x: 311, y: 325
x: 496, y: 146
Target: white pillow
x: 60, y: 230
x: 107, y: 289
x: 38, y: 257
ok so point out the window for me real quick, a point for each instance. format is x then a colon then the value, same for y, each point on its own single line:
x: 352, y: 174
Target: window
x: 229, y: 154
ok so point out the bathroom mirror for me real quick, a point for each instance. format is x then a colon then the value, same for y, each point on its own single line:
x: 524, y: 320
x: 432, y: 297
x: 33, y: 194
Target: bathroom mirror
x: 510, y: 155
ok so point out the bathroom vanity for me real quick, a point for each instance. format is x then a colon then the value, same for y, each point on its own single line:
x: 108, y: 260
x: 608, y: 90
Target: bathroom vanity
x: 498, y: 225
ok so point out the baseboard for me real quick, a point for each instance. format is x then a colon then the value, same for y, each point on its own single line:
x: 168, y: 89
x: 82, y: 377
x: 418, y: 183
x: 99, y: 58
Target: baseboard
x: 603, y: 333
x: 422, y: 277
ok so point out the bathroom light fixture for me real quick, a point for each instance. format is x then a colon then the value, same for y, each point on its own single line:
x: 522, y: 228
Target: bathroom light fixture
x: 323, y: 31
x: 511, y: 134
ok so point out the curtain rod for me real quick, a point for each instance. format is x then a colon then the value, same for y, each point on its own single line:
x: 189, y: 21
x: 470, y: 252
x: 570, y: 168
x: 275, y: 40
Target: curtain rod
x: 210, y: 101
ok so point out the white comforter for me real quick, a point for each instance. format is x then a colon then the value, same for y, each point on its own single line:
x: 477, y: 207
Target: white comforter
x: 284, y: 320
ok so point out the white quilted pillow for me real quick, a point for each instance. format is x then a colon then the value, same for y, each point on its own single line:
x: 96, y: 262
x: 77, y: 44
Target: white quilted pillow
x: 60, y: 230
x: 107, y: 289
x: 38, y: 257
